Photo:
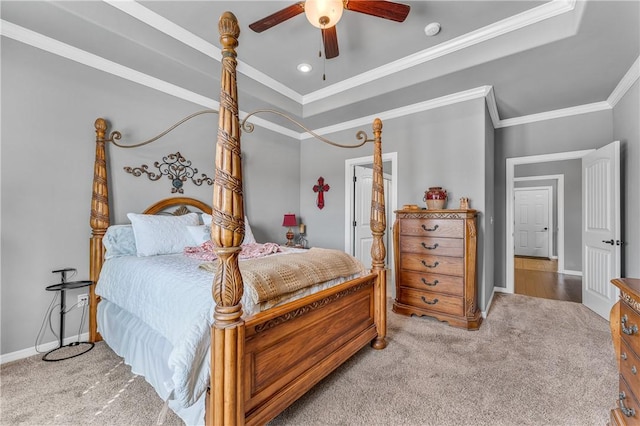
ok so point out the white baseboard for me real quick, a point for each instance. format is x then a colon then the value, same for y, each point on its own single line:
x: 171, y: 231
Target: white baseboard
x: 488, y: 307
x: 495, y: 290
x: 570, y: 272
x: 45, y: 347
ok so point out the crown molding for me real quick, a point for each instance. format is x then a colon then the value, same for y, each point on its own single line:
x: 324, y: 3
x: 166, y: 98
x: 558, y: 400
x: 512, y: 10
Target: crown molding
x: 558, y: 113
x: 492, y: 107
x: 625, y: 84
x: 64, y: 50
x: 160, y: 23
x: 513, y: 23
x: 26, y: 36
x: 467, y: 95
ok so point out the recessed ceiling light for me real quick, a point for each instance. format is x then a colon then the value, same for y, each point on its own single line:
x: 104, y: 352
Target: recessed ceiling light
x: 432, y: 29
x: 304, y: 68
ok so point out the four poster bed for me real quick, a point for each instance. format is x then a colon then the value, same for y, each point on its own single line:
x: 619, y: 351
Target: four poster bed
x: 261, y: 358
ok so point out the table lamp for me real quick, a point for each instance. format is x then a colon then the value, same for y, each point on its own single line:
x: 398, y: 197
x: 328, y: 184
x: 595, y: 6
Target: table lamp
x: 289, y: 221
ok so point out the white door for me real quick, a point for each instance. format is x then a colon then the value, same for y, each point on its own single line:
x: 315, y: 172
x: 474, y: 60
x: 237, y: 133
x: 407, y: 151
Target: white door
x: 601, y: 228
x: 533, y: 221
x: 362, y: 214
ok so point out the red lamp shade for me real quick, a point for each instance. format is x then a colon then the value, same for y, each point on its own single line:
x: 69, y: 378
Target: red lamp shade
x: 289, y: 220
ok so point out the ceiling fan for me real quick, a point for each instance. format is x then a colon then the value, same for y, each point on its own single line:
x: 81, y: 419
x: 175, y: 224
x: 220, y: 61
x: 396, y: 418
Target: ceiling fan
x: 325, y: 14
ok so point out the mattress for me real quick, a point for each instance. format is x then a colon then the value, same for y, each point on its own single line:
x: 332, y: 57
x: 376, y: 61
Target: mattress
x: 156, y: 312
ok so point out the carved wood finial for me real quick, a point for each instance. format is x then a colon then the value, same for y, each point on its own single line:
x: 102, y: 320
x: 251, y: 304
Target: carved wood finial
x: 101, y: 126
x: 229, y: 32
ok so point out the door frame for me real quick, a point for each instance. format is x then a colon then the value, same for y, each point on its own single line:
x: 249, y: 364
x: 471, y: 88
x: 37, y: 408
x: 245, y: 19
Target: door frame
x: 509, y: 216
x: 559, y: 208
x: 551, y: 226
x: 349, y: 166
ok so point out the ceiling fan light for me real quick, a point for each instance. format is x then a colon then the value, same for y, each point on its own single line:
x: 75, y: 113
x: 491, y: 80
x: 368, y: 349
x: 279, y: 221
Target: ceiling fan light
x: 318, y: 11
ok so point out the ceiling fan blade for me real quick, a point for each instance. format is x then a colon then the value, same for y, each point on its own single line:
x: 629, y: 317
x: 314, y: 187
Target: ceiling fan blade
x: 381, y: 9
x: 330, y: 40
x: 278, y: 17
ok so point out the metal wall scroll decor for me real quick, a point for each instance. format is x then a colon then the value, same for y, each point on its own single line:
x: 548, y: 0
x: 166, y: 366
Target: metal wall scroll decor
x: 177, y: 169
x: 320, y: 188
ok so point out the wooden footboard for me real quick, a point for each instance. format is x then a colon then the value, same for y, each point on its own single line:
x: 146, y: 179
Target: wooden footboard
x: 291, y: 348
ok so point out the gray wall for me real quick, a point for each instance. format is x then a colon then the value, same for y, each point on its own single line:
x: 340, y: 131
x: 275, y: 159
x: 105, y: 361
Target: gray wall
x: 572, y: 171
x: 49, y: 105
x: 626, y: 130
x: 442, y: 147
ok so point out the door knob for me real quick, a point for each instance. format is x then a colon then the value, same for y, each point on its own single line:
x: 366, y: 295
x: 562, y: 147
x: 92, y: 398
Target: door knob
x: 608, y: 242
x: 545, y: 228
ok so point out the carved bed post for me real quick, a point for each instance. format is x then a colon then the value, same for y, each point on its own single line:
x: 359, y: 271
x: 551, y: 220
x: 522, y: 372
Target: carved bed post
x: 226, y: 404
x: 99, y: 222
x: 378, y: 251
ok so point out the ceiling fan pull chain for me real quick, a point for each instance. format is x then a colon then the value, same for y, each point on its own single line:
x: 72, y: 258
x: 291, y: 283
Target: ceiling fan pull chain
x: 324, y: 60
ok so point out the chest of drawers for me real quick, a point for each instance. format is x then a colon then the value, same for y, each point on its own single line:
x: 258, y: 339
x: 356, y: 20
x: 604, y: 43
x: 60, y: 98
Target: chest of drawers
x: 625, y: 321
x: 435, y: 265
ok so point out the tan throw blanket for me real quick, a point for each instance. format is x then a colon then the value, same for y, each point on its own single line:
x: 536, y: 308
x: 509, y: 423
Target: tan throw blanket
x: 273, y: 276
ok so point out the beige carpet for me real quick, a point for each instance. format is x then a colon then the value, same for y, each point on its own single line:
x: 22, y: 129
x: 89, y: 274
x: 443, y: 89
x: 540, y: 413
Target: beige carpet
x: 533, y: 362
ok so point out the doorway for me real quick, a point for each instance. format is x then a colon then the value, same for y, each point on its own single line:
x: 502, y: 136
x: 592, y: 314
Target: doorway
x: 509, y: 213
x: 358, y: 207
x: 543, y: 274
x: 600, y: 221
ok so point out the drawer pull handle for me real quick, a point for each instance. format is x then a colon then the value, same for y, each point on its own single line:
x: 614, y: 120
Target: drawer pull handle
x: 434, y: 265
x: 628, y: 330
x: 634, y: 370
x: 430, y: 229
x: 433, y: 247
x: 433, y: 284
x: 629, y: 412
x: 424, y: 299
x: 623, y: 355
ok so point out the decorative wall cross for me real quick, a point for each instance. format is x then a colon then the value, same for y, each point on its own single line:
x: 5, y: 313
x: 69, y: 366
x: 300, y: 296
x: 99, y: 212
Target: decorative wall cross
x: 175, y: 167
x: 320, y: 188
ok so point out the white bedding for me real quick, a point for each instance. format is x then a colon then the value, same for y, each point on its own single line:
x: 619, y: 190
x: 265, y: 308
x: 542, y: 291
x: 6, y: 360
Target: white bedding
x: 168, y: 300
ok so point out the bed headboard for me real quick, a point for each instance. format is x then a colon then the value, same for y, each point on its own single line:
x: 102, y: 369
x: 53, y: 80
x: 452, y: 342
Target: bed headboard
x: 183, y: 204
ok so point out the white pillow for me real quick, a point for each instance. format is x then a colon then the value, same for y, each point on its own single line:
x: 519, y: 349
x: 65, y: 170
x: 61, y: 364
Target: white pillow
x: 158, y: 234
x: 119, y: 241
x: 248, y: 235
x: 200, y: 233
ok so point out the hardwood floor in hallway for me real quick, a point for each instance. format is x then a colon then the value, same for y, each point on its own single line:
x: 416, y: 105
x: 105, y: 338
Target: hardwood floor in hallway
x: 537, y: 277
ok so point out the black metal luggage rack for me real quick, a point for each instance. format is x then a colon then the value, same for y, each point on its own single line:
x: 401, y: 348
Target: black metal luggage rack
x: 62, y: 287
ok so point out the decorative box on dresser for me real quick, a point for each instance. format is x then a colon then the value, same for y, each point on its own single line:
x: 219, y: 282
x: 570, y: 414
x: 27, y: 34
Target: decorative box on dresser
x: 435, y: 264
x: 624, y: 322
